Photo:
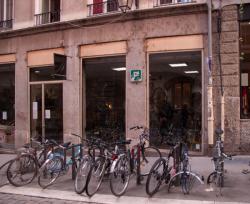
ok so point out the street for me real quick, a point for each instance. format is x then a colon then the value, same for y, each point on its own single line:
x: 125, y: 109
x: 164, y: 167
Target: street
x: 62, y: 191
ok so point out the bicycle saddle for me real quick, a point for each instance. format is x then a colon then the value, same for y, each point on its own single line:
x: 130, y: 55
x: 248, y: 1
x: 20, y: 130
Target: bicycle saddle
x: 219, y: 131
x: 66, y: 144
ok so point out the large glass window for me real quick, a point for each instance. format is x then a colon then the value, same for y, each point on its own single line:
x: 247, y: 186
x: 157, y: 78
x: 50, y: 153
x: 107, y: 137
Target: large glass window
x: 245, y: 66
x: 176, y: 98
x: 7, y: 104
x: 104, y: 97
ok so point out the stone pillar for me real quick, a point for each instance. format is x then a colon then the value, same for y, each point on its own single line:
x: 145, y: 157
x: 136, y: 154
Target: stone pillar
x: 230, y: 62
x: 21, y: 100
x: 136, y: 93
x: 71, y: 96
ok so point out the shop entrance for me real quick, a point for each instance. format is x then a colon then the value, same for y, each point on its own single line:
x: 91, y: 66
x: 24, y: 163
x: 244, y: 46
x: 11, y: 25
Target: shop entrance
x: 176, y: 98
x: 46, y: 116
x: 104, y: 97
x: 7, y: 105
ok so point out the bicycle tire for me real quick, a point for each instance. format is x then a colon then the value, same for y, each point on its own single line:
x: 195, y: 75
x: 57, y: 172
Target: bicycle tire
x: 23, y: 166
x: 122, y: 171
x: 51, y: 169
x: 3, y: 173
x: 159, y: 164
x: 96, y: 173
x: 146, y: 159
x: 82, y: 174
x: 187, y: 181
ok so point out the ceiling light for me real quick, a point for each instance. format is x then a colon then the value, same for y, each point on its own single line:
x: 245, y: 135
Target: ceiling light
x: 37, y: 71
x: 178, y: 65
x: 119, y: 69
x: 191, y: 72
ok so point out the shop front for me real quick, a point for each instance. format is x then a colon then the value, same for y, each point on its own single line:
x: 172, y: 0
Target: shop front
x: 7, y: 101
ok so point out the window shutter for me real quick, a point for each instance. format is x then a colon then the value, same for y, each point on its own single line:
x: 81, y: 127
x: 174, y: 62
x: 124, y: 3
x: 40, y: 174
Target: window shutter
x: 9, y: 8
x: 1, y: 10
x: 98, y: 6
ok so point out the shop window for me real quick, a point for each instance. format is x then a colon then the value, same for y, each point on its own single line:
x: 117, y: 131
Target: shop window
x: 245, y: 63
x: 7, y: 104
x: 49, y: 73
x: 104, y: 96
x: 175, y: 99
x: 6, y: 14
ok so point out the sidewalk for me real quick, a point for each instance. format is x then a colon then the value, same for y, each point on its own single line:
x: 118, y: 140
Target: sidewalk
x: 236, y: 188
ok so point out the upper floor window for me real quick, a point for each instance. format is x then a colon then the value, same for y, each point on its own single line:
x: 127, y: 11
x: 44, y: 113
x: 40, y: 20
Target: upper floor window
x: 165, y: 2
x: 47, y: 11
x: 6, y: 14
x: 100, y: 7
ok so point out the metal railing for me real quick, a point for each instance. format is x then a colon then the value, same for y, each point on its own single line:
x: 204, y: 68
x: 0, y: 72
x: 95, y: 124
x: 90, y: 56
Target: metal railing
x: 7, y: 24
x: 48, y: 17
x: 158, y: 3
x: 102, y: 8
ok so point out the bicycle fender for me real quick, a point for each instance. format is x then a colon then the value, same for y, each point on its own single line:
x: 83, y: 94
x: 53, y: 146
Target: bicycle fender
x: 113, y: 165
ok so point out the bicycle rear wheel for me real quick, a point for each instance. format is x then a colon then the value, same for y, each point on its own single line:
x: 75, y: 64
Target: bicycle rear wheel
x: 155, y: 176
x: 22, y: 170
x: 119, y: 179
x: 147, y: 159
x: 95, y: 176
x: 50, y: 171
x: 3, y: 173
x: 82, y: 174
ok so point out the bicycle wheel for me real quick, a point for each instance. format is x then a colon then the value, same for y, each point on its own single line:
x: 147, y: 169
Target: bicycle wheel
x: 94, y: 178
x: 22, y: 170
x: 50, y: 171
x: 82, y: 174
x: 187, y: 182
x: 155, y: 176
x: 3, y: 173
x: 119, y: 178
x: 147, y: 159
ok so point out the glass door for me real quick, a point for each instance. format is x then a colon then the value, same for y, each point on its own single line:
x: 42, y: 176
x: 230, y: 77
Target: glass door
x: 46, y: 117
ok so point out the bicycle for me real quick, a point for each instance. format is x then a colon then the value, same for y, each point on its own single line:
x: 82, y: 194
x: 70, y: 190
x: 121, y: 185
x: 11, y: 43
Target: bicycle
x: 135, y: 161
x: 216, y: 178
x: 57, y: 164
x: 85, y: 164
x: 102, y: 165
x: 23, y: 169
x: 161, y: 170
x: 186, y: 178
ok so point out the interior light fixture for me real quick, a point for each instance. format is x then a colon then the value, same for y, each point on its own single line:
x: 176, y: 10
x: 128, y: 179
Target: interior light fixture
x: 191, y: 72
x: 37, y: 71
x: 119, y: 69
x: 178, y: 65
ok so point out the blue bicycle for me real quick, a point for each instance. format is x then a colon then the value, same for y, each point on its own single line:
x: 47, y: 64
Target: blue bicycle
x: 58, y: 164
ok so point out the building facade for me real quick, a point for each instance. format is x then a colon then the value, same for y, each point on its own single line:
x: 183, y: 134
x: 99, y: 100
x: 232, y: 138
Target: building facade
x: 86, y: 67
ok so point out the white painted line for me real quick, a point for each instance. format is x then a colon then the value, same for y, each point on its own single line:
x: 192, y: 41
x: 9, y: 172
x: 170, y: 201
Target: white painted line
x: 98, y: 198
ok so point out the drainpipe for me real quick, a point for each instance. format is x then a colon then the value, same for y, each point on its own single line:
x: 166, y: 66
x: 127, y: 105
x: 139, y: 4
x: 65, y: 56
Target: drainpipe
x: 210, y: 128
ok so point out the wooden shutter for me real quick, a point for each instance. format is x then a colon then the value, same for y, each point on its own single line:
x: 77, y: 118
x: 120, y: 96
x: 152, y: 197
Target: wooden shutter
x: 9, y: 8
x: 1, y: 10
x: 98, y: 6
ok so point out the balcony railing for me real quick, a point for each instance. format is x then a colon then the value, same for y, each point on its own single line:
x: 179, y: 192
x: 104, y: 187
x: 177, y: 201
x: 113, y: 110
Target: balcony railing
x: 7, y: 24
x: 158, y: 3
x: 48, y: 17
x: 102, y: 8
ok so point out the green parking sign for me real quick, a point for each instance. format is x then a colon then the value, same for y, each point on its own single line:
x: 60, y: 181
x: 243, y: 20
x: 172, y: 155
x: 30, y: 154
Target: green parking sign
x: 135, y: 75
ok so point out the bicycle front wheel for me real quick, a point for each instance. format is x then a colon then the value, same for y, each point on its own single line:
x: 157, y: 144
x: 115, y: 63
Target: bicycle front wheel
x: 22, y: 170
x: 95, y: 176
x: 50, y: 171
x: 82, y: 174
x: 119, y: 179
x: 155, y: 176
x: 147, y: 159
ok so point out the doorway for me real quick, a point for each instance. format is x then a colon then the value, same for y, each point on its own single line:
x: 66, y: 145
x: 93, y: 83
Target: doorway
x: 46, y: 111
